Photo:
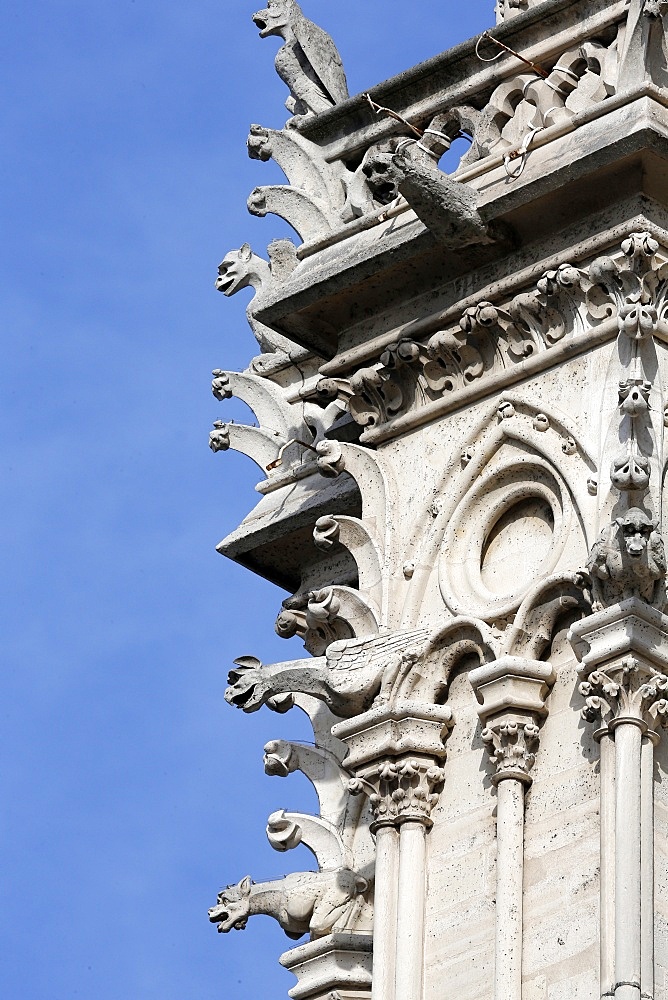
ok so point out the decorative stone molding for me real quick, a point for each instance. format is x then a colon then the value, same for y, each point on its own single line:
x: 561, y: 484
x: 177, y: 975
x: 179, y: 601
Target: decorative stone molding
x: 336, y: 966
x: 566, y: 303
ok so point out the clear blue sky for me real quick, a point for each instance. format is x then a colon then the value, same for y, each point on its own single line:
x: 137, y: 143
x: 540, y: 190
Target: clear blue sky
x: 129, y: 791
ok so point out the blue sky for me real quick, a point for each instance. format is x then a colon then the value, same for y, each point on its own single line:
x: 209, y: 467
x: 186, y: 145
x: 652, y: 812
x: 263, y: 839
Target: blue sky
x: 129, y: 791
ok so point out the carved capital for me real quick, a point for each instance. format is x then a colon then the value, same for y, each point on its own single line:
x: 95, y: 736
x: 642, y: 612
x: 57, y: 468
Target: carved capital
x: 626, y: 692
x: 401, y: 790
x: 512, y: 747
x: 623, y: 651
x: 395, y: 756
x: 511, y: 693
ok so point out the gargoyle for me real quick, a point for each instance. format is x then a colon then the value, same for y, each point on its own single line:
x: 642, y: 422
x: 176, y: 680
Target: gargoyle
x: 447, y: 207
x: 628, y: 560
x: 347, y: 678
x: 241, y: 269
x: 309, y: 62
x: 303, y: 902
x: 355, y: 672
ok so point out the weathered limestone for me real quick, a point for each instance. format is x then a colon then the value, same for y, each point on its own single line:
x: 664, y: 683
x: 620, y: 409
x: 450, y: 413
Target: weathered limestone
x: 462, y: 414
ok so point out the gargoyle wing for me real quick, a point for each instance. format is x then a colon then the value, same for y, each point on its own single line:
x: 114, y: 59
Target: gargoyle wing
x: 322, y: 54
x: 372, y: 651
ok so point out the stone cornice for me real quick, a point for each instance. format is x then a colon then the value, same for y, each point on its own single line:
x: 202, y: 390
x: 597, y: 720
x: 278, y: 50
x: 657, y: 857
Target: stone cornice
x: 452, y: 76
x: 495, y: 344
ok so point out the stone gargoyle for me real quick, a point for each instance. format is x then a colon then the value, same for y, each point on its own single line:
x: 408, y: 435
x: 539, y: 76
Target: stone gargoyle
x: 302, y: 903
x: 309, y: 62
x: 447, y: 207
x: 243, y: 269
x: 628, y: 560
x: 354, y: 673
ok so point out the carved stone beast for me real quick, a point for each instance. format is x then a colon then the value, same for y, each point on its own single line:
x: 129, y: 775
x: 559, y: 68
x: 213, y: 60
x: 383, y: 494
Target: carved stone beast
x: 356, y: 672
x: 628, y: 560
x: 308, y: 63
x: 303, y: 902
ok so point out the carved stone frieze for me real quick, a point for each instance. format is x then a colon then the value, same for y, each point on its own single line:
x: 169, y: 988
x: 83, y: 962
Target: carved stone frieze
x: 627, y: 293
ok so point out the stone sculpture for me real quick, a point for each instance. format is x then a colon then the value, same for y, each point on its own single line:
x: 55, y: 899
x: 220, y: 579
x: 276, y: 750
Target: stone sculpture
x: 303, y: 902
x: 628, y: 560
x: 242, y: 269
x: 308, y: 63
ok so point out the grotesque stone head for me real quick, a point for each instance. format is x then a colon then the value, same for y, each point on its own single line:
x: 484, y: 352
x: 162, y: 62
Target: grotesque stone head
x: 234, y: 271
x: 233, y: 907
x: 275, y: 17
x: 380, y: 174
x: 636, y: 528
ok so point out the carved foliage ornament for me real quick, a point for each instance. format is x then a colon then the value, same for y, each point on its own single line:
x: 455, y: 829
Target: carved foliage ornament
x: 401, y: 790
x: 625, y: 693
x: 490, y: 337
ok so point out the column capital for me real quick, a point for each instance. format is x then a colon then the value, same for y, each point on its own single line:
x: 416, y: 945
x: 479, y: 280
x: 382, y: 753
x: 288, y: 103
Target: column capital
x: 395, y: 755
x: 623, y: 654
x: 511, y: 693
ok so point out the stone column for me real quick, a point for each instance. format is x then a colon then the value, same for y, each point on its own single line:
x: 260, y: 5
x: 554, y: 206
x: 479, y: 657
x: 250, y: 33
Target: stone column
x: 395, y: 757
x: 623, y: 651
x: 511, y: 692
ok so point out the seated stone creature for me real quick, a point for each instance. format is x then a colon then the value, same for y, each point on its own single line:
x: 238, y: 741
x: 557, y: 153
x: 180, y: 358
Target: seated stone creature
x: 308, y: 63
x: 628, y: 560
x: 302, y: 903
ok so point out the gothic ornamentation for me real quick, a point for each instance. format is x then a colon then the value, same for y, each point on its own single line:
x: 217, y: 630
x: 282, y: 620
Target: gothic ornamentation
x: 308, y: 63
x: 512, y: 747
x: 626, y: 692
x: 406, y: 789
x: 490, y: 338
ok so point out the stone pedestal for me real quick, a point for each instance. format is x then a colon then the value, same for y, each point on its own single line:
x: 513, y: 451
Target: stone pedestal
x: 337, y: 966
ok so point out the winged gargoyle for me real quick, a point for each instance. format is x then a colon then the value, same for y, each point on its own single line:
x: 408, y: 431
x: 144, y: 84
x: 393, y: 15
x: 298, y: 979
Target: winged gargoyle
x: 354, y: 673
x: 309, y: 62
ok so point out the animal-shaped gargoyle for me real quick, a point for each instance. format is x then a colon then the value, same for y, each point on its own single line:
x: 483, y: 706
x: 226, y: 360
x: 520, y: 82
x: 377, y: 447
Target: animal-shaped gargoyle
x: 302, y: 903
x: 241, y: 269
x: 448, y: 208
x: 308, y: 63
x: 353, y: 673
x: 628, y: 560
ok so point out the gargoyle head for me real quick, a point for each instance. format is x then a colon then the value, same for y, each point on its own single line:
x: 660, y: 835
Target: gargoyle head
x: 275, y: 17
x: 238, y: 269
x: 636, y: 528
x: 232, y: 908
x: 380, y: 173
